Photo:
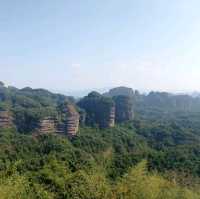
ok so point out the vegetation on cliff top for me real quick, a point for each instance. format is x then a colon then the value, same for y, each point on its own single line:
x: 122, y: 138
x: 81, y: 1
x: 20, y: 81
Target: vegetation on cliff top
x: 155, y: 156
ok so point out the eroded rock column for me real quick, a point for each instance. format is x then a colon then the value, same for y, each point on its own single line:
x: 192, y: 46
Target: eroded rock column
x: 72, y: 120
x: 47, y: 126
x: 124, y: 108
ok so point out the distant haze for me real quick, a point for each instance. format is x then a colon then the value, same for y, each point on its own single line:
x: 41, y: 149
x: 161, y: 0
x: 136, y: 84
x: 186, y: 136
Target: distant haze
x: 81, y: 93
x: 72, y: 46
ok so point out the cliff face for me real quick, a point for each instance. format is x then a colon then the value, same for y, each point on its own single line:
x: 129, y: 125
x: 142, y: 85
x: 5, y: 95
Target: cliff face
x: 66, y: 122
x: 105, y: 114
x: 6, y: 120
x: 111, y: 119
x: 124, y: 99
x: 47, y: 126
x: 59, y: 114
x: 69, y: 124
x: 124, y: 108
x: 72, y: 120
x: 99, y: 110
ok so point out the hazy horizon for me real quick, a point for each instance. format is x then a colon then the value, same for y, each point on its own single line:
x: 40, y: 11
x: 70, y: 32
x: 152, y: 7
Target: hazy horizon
x: 81, y: 93
x: 72, y: 46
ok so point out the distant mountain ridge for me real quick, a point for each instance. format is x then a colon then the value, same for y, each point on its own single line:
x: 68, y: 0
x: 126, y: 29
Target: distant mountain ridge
x: 159, y: 100
x: 34, y: 108
x: 43, y: 112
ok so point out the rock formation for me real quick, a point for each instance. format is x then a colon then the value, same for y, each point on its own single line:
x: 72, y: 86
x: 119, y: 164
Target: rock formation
x: 72, y: 120
x: 47, y: 126
x: 111, y: 120
x: 124, y: 108
x: 69, y: 122
x: 100, y: 110
x: 124, y: 99
x: 125, y: 91
x: 6, y: 120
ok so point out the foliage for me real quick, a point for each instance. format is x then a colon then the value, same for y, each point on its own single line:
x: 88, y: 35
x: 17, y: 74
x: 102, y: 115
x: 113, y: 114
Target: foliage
x: 155, y: 156
x: 97, y: 107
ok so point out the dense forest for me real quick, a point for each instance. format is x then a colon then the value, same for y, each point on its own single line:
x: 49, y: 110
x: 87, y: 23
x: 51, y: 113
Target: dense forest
x: 148, y: 149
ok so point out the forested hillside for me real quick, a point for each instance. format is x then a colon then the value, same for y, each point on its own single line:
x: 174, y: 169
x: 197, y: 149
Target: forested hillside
x: 152, y: 152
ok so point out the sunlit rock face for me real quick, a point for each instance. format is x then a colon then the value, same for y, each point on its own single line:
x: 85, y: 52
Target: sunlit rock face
x: 47, y: 126
x: 68, y: 123
x: 6, y: 119
x: 124, y: 108
x: 72, y: 120
x: 111, y: 119
x: 100, y: 110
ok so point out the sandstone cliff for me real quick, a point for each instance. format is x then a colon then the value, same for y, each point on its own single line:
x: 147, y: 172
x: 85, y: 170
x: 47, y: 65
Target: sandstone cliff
x: 69, y: 121
x: 47, y: 126
x: 100, y: 110
x: 72, y: 120
x: 124, y: 108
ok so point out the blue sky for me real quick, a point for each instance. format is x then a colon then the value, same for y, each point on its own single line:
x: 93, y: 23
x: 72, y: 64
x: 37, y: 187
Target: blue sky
x: 79, y: 44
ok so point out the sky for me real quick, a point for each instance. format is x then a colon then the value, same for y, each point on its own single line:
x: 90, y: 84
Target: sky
x: 71, y: 45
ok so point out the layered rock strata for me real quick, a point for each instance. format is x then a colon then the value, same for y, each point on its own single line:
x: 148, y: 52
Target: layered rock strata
x: 111, y: 120
x: 47, y: 126
x: 72, y: 121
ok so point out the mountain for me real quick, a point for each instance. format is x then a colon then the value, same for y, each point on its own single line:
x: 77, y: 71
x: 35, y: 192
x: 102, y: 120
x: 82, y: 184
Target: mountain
x: 120, y: 91
x: 117, y: 145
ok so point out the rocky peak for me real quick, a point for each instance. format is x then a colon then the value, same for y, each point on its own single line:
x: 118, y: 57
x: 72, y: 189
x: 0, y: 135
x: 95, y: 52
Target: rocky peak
x: 100, y: 110
x: 124, y: 91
